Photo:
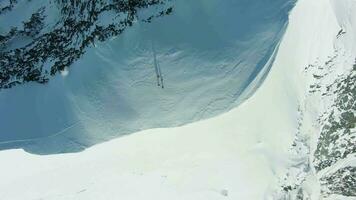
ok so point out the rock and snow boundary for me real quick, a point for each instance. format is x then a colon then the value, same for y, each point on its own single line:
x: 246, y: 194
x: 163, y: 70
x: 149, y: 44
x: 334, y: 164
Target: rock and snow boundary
x: 264, y: 149
x: 324, y: 146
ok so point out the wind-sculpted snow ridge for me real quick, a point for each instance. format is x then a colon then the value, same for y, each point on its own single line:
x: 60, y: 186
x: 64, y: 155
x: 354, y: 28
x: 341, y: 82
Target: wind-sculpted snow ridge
x: 292, y: 139
x: 206, y: 56
x: 47, y: 49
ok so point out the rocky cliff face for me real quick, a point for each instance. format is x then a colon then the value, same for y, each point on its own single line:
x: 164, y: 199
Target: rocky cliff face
x: 325, y: 142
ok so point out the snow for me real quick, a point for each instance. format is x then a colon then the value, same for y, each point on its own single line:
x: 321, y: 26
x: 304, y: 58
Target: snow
x: 212, y: 56
x: 237, y: 155
x: 321, y: 46
x: 162, y: 163
x: 65, y: 72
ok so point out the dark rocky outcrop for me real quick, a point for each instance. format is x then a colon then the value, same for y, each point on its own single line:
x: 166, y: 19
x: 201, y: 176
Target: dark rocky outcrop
x: 79, y: 26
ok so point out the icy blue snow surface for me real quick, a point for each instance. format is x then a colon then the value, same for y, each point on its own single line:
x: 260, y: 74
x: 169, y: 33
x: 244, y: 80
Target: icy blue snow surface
x: 208, y: 52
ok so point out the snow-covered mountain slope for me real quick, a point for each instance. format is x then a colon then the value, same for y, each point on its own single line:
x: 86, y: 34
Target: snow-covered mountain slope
x: 211, y: 55
x: 294, y: 138
x: 275, y: 145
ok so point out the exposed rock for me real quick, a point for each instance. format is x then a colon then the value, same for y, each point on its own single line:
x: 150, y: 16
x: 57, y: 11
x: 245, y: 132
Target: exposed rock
x: 77, y: 28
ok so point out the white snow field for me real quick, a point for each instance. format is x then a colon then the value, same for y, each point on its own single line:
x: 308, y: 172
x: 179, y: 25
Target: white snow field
x: 208, y: 53
x: 238, y: 155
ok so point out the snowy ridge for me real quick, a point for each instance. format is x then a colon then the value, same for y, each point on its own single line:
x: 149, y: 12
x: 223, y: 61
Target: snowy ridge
x: 266, y: 148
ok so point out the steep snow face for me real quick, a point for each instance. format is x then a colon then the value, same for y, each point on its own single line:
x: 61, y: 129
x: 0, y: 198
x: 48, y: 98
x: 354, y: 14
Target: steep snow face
x: 238, y: 155
x: 209, y: 55
x: 266, y: 148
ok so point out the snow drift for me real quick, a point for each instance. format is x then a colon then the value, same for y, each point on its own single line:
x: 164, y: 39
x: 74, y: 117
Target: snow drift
x: 211, y: 55
x: 262, y: 149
